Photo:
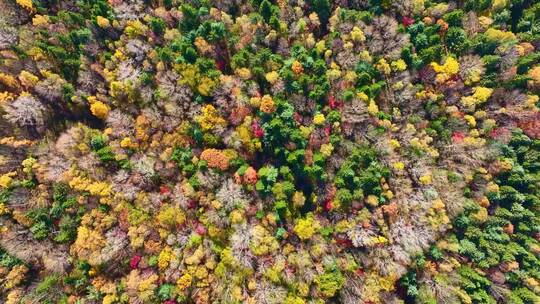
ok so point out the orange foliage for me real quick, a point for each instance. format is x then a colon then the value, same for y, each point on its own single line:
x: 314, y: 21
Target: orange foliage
x: 216, y: 159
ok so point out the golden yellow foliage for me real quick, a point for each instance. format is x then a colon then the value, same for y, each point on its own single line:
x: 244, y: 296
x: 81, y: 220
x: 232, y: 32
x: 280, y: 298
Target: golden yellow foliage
x: 28, y: 79
x: 8, y: 80
x: 27, y: 4
x: 99, y: 109
x: 210, y: 118
x: 7, y: 179
x: 272, y: 77
x: 103, y: 22
x: 319, y: 119
x: 184, y: 281
x: 267, y: 104
x: 305, y: 228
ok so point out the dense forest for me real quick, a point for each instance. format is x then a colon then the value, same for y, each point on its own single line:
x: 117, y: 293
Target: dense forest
x: 269, y: 151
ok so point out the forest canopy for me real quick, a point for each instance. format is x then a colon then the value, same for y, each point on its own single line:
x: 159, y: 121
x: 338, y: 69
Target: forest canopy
x: 269, y: 151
